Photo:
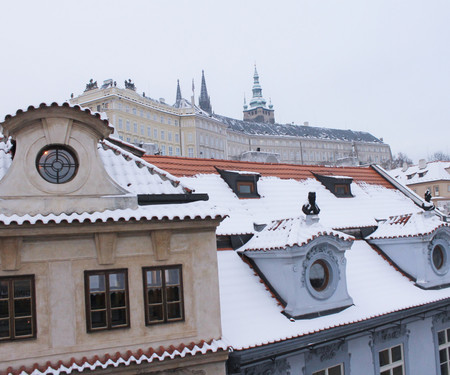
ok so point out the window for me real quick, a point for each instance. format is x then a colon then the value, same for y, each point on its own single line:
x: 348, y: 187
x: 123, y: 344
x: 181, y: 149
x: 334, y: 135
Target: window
x: 107, y: 305
x: 341, y: 189
x: 177, y: 140
x: 190, y: 152
x: 163, y: 136
x: 149, y: 131
x: 155, y: 133
x: 177, y: 151
x: 444, y: 351
x: 436, y: 190
x: 163, y: 288
x: 169, y: 136
x: 391, y: 361
x: 163, y: 149
x: 57, y: 164
x: 170, y: 150
x: 245, y: 187
x: 17, y: 308
x: 142, y: 129
x: 128, y: 125
x: 135, y: 128
x: 120, y: 123
x: 134, y: 111
x: 334, y: 370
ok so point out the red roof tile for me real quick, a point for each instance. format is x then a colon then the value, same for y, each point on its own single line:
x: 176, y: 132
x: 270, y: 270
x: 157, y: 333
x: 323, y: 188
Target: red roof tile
x: 180, y: 166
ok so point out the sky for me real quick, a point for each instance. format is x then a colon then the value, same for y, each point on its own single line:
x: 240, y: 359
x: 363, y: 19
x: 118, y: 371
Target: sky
x: 380, y: 66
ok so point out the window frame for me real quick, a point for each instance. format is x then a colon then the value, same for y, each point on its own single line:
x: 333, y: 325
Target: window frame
x: 251, y: 184
x: 327, y: 369
x: 164, y: 294
x: 105, y: 272
x: 12, y: 336
x: 392, y: 365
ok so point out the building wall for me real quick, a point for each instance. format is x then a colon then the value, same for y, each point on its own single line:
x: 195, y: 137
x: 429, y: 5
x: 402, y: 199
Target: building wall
x: 139, y: 119
x: 58, y: 263
x: 360, y: 353
x: 440, y: 191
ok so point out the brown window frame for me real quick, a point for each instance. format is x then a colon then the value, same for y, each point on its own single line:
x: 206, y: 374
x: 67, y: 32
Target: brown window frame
x: 346, y: 189
x: 11, y: 299
x: 245, y: 183
x: 108, y: 308
x: 164, y: 303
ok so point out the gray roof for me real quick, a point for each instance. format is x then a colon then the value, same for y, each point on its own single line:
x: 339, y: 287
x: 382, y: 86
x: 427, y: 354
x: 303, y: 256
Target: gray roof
x: 256, y: 128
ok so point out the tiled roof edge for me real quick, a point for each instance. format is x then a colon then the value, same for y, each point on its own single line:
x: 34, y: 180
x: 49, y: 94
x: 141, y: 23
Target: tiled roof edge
x: 118, y: 358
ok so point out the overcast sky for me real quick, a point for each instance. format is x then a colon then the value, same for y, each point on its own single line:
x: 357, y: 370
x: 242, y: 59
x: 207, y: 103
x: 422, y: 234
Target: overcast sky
x: 381, y: 66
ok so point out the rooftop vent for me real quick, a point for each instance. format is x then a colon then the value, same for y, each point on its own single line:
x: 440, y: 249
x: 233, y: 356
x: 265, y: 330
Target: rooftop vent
x: 422, y: 164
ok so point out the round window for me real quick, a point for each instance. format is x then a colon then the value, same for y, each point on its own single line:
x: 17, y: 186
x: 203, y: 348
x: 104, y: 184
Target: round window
x: 438, y: 257
x: 319, y: 275
x: 56, y: 164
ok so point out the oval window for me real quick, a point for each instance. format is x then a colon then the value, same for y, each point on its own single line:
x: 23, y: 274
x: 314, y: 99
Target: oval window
x: 56, y: 164
x: 438, y: 257
x: 319, y: 275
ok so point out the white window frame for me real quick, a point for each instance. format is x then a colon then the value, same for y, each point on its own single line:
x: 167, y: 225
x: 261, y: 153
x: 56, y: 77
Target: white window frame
x: 391, y: 365
x: 445, y: 346
x: 326, y: 370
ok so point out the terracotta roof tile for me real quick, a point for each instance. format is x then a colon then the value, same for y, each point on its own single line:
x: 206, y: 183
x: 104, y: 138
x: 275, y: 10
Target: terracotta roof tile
x: 181, y: 166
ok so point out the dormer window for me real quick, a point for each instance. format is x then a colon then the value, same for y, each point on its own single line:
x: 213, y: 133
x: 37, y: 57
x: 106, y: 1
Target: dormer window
x: 340, y: 186
x: 243, y: 184
x: 57, y: 164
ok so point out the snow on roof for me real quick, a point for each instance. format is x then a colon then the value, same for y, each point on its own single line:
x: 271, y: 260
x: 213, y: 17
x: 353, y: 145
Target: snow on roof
x: 5, y: 157
x: 252, y: 317
x: 411, y: 225
x: 255, y: 128
x: 281, y: 199
x: 135, y: 174
x: 284, y: 233
x: 434, y: 171
x: 122, y: 359
x: 194, y: 210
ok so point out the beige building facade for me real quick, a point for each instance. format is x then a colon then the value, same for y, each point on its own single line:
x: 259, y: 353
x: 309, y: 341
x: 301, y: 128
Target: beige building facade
x: 185, y: 129
x: 92, y: 278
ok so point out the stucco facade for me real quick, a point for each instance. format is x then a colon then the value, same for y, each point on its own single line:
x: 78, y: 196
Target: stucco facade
x: 65, y: 236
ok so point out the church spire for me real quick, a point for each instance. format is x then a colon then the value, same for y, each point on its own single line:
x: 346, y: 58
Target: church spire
x: 204, y: 101
x: 178, y: 91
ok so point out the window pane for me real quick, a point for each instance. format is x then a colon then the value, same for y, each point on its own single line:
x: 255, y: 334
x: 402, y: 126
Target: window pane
x: 118, y: 317
x: 116, y: 281
x: 22, y: 307
x: 154, y: 295
x: 396, y: 353
x: 117, y: 299
x: 155, y: 313
x: 4, y: 328
x: 441, y: 337
x: 319, y: 372
x: 244, y: 189
x: 23, y: 327
x: 384, y: 357
x: 4, y: 309
x: 448, y: 335
x: 98, y: 301
x: 398, y: 370
x: 97, y: 283
x: 22, y: 288
x: 385, y: 373
x: 172, y: 277
x: 4, y: 289
x: 335, y: 370
x: 444, y: 369
x: 442, y: 355
x: 173, y: 311
x: 154, y: 278
x: 173, y: 293
x: 98, y: 319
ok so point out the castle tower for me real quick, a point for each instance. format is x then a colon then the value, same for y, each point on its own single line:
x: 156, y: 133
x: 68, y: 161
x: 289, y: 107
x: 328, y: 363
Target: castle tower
x: 178, y: 92
x: 257, y: 110
x: 204, y: 100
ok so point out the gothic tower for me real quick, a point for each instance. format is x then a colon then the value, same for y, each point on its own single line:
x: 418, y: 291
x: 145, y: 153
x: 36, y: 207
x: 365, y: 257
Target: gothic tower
x: 258, y: 111
x: 204, y: 101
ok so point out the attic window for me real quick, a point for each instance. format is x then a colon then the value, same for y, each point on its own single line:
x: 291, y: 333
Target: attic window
x: 340, y: 186
x: 57, y: 164
x: 421, y: 174
x: 243, y: 184
x: 410, y: 176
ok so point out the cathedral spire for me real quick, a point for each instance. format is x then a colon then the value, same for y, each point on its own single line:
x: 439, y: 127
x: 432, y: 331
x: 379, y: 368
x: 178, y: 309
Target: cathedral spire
x: 204, y: 101
x: 178, y: 91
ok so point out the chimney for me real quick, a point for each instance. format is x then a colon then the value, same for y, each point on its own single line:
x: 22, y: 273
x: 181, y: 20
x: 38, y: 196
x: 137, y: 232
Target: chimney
x: 422, y: 164
x: 405, y: 166
x: 311, y: 209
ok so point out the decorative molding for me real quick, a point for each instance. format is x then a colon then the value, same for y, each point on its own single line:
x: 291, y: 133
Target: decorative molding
x: 442, y: 318
x: 323, y: 248
x: 325, y: 353
x: 275, y: 367
x: 161, y: 244
x: 105, y: 244
x: 389, y: 334
x: 10, y: 253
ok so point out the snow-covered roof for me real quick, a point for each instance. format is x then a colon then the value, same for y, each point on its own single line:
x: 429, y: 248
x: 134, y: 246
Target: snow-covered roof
x: 260, y: 321
x: 284, y: 233
x: 410, y: 225
x: 125, y: 358
x: 255, y: 128
x: 433, y: 171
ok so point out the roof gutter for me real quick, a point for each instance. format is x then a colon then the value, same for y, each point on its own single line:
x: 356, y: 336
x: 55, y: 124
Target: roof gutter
x: 406, y: 191
x: 150, y: 199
